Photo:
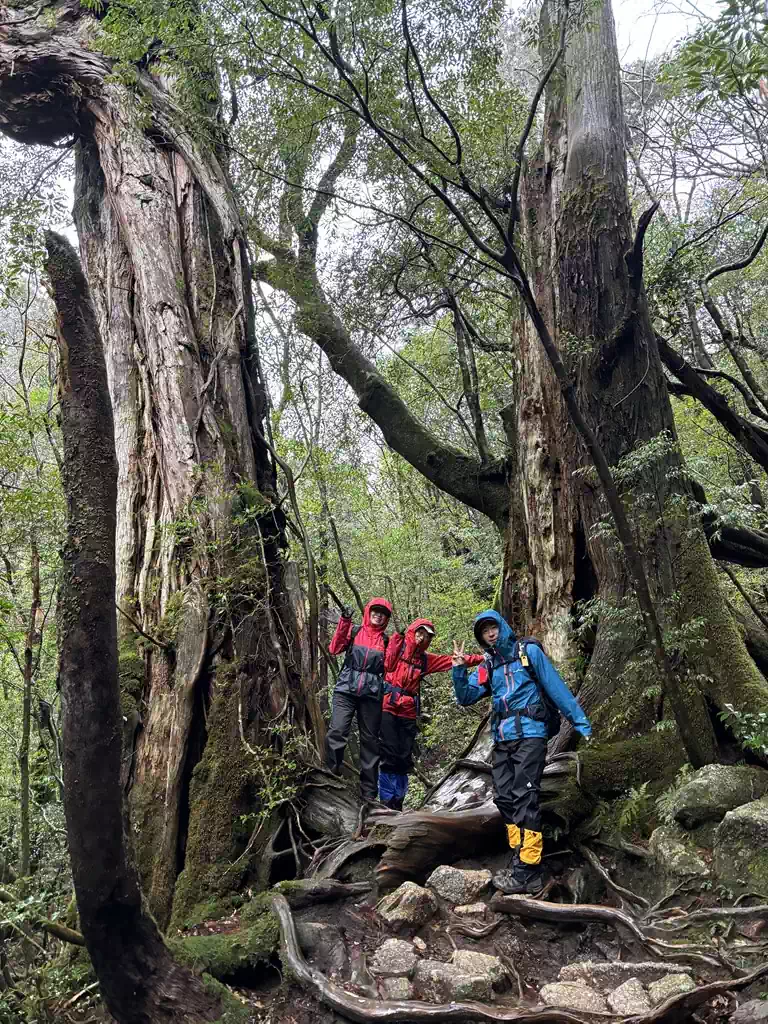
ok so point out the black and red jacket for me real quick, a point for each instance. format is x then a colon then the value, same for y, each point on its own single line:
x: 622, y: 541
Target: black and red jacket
x: 363, y: 671
x: 405, y: 665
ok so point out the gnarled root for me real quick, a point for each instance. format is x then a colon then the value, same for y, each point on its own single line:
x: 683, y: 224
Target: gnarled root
x: 366, y: 1010
x: 561, y: 913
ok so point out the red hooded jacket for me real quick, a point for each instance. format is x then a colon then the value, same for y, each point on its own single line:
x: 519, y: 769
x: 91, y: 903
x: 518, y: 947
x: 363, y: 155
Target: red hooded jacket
x: 363, y: 671
x: 405, y: 665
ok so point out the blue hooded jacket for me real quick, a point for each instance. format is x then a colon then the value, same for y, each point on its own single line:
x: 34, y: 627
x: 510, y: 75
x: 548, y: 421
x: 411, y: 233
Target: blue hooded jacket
x: 512, y: 687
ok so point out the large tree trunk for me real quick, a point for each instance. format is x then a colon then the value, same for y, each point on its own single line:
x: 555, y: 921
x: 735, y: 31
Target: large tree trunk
x: 138, y: 978
x: 198, y: 533
x: 578, y: 238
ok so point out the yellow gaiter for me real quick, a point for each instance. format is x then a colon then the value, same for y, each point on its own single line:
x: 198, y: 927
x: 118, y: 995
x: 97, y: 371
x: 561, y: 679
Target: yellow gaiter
x: 532, y: 847
x: 513, y: 836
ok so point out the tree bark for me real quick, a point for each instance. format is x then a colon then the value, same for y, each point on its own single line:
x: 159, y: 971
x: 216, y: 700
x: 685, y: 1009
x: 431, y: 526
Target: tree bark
x: 164, y: 251
x: 139, y: 980
x: 32, y: 641
x: 578, y: 237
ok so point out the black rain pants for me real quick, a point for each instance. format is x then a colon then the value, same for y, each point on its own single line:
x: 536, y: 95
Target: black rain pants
x: 516, y: 771
x: 368, y: 710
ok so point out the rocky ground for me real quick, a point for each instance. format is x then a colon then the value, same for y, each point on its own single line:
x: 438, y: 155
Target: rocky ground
x: 624, y: 931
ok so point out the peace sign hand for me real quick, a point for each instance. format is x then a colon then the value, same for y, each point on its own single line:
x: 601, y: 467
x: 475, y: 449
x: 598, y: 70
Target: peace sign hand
x: 458, y: 657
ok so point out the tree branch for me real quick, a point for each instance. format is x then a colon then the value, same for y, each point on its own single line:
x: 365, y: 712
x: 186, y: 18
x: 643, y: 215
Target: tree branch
x: 482, y: 487
x: 752, y: 438
x: 726, y: 268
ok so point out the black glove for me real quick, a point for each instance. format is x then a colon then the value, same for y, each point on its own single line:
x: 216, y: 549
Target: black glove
x: 346, y: 612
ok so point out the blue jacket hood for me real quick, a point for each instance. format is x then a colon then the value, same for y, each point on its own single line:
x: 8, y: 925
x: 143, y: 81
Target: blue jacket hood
x: 505, y: 644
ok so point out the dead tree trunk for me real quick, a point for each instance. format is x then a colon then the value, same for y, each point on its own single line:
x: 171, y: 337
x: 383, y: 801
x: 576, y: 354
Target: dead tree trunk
x: 139, y: 980
x: 587, y: 277
x: 198, y: 531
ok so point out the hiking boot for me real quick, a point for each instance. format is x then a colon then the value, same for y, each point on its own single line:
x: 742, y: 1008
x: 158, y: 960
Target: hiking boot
x: 520, y: 880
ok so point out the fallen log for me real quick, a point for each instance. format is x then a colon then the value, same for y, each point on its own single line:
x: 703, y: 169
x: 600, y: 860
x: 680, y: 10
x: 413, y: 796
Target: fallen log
x: 365, y: 1010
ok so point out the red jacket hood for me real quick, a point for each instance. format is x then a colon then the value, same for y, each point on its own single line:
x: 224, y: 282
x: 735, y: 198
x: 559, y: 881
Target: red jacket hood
x: 374, y: 602
x: 410, y: 636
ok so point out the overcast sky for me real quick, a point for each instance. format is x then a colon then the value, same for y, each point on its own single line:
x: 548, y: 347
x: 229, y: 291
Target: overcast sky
x: 654, y: 25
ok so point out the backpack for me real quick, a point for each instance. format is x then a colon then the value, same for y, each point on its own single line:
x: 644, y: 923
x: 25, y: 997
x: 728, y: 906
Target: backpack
x: 551, y: 712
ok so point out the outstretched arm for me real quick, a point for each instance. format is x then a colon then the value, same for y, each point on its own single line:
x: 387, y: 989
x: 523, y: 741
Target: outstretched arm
x: 342, y: 636
x: 468, y: 689
x: 444, y: 662
x: 550, y: 679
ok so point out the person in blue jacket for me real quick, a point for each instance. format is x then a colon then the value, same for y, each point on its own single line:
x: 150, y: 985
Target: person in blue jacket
x: 519, y: 728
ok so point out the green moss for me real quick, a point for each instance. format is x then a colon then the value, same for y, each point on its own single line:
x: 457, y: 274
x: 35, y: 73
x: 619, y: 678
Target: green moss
x: 610, y: 769
x: 167, y: 629
x: 222, y: 798
x: 227, y: 954
x: 130, y: 673
x: 234, y: 1011
x: 757, y: 868
x: 211, y: 910
x: 728, y: 674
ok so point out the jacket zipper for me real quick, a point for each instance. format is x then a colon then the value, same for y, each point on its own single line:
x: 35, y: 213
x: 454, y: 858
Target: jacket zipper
x: 362, y: 670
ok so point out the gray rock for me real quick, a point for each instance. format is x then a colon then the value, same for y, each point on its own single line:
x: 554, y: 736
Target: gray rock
x: 471, y: 910
x: 714, y: 790
x: 396, y: 988
x: 573, y: 995
x: 629, y: 998
x: 409, y: 905
x: 420, y: 944
x: 470, y: 962
x: 741, y: 847
x: 753, y: 1012
x: 672, y: 985
x: 436, y: 982
x: 675, y: 855
x: 457, y: 886
x: 324, y: 946
x: 606, y: 976
x: 395, y: 956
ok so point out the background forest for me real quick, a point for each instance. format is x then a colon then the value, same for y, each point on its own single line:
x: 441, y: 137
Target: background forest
x: 403, y: 430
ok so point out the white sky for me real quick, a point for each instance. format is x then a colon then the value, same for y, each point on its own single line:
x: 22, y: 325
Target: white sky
x: 653, y: 26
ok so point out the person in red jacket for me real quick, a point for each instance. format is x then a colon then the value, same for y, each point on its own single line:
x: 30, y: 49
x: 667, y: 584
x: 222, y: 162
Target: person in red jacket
x: 405, y: 665
x: 358, y: 691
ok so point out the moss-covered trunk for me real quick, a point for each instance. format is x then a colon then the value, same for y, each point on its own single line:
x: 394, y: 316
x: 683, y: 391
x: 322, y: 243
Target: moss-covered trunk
x: 198, y: 531
x: 578, y: 237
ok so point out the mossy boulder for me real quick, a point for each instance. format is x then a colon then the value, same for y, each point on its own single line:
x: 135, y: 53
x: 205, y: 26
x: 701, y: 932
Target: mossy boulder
x: 676, y: 856
x: 741, y: 847
x: 714, y: 790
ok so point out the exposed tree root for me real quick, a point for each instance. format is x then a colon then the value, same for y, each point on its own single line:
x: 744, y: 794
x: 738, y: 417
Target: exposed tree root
x: 685, y: 920
x: 562, y: 913
x: 625, y: 894
x: 306, y: 892
x: 366, y: 1010
x: 331, y: 864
